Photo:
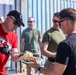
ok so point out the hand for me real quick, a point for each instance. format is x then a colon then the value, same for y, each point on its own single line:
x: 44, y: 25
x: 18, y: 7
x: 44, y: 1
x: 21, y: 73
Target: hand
x: 34, y: 65
x: 4, y: 50
x: 20, y: 55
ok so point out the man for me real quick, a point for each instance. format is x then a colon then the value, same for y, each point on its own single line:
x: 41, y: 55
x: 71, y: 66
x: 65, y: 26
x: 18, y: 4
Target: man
x: 8, y: 39
x: 66, y: 52
x: 30, y: 40
x: 50, y: 41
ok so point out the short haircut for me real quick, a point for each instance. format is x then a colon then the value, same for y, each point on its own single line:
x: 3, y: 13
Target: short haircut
x: 56, y: 14
x: 68, y: 13
x: 32, y: 18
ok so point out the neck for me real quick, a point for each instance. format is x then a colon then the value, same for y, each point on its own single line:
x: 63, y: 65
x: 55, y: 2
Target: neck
x: 57, y: 28
x: 4, y: 27
x: 31, y: 28
x: 73, y: 28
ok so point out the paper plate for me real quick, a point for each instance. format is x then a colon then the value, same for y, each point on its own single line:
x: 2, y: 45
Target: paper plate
x: 28, y: 62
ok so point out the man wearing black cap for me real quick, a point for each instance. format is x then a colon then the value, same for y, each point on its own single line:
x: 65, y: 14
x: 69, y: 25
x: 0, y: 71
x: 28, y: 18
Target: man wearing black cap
x: 8, y: 39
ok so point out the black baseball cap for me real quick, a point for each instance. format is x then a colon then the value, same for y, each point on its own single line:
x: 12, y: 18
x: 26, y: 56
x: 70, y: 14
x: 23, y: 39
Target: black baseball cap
x: 17, y: 16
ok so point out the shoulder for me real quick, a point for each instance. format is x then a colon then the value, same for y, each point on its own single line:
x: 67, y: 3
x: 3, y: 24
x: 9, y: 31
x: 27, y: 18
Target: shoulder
x: 36, y: 29
x: 48, y: 32
x: 25, y: 30
x: 13, y: 34
x: 64, y: 45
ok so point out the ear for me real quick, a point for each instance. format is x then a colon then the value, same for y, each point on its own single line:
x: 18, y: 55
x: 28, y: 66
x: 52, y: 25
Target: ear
x: 67, y: 22
x: 7, y: 17
x: 34, y: 21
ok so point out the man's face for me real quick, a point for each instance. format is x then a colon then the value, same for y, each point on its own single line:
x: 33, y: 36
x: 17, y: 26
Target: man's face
x: 12, y: 24
x: 15, y: 22
x: 63, y: 23
x: 31, y: 23
x: 55, y: 22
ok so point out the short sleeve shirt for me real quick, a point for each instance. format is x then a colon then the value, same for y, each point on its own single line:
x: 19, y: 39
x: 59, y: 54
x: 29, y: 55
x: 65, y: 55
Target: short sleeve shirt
x: 52, y: 38
x: 31, y: 40
x: 12, y: 38
x: 66, y: 54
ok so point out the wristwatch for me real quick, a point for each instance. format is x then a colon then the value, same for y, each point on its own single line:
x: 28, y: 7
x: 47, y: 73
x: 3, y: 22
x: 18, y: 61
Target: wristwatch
x: 39, y: 69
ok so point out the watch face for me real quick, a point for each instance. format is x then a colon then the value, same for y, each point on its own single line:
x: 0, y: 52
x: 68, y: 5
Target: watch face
x: 39, y: 69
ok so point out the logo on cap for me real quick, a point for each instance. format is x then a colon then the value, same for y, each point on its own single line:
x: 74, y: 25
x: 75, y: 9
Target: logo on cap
x: 21, y: 16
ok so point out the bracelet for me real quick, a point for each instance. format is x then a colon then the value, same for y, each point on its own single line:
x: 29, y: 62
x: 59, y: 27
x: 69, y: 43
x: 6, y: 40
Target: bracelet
x: 39, y: 69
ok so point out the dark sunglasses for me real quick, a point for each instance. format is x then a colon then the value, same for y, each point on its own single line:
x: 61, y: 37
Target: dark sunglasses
x: 15, y: 22
x: 55, y: 21
x: 30, y: 21
x: 62, y: 21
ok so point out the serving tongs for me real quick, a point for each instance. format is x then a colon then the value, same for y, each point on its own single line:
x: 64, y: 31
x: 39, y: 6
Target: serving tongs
x: 17, y: 53
x: 26, y: 52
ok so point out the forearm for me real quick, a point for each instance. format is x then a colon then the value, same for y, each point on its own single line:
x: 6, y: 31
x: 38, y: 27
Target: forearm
x: 40, y: 43
x: 48, y: 53
x: 22, y: 43
x: 57, y: 69
x: 15, y: 57
x: 45, y: 52
x: 21, y: 47
x: 45, y: 71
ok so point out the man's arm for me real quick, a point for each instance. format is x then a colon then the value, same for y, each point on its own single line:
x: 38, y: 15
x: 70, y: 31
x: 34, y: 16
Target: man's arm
x: 22, y: 44
x: 58, y: 69
x: 15, y: 56
x: 40, y: 43
x: 45, y: 52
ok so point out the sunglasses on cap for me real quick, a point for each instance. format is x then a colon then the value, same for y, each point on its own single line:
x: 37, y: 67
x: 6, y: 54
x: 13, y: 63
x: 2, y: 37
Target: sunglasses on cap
x: 15, y: 22
x: 30, y: 21
x: 55, y: 21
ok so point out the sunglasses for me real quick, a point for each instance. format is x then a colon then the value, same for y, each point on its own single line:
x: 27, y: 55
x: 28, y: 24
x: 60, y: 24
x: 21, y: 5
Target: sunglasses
x: 55, y: 21
x: 62, y: 21
x: 15, y: 22
x: 30, y: 21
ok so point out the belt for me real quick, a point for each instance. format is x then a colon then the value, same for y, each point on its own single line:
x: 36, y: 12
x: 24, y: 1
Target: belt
x: 51, y: 59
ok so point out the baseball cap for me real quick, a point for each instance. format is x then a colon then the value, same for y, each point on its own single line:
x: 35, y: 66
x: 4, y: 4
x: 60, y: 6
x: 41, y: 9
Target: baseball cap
x: 17, y: 16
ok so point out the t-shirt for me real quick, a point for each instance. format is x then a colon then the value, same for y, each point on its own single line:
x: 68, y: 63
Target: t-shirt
x: 66, y: 54
x: 52, y: 38
x: 12, y: 38
x: 31, y: 40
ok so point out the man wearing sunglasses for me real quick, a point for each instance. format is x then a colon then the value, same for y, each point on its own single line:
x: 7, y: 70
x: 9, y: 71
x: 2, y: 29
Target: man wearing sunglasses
x: 30, y: 40
x: 9, y: 39
x: 65, y: 63
x: 50, y: 41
